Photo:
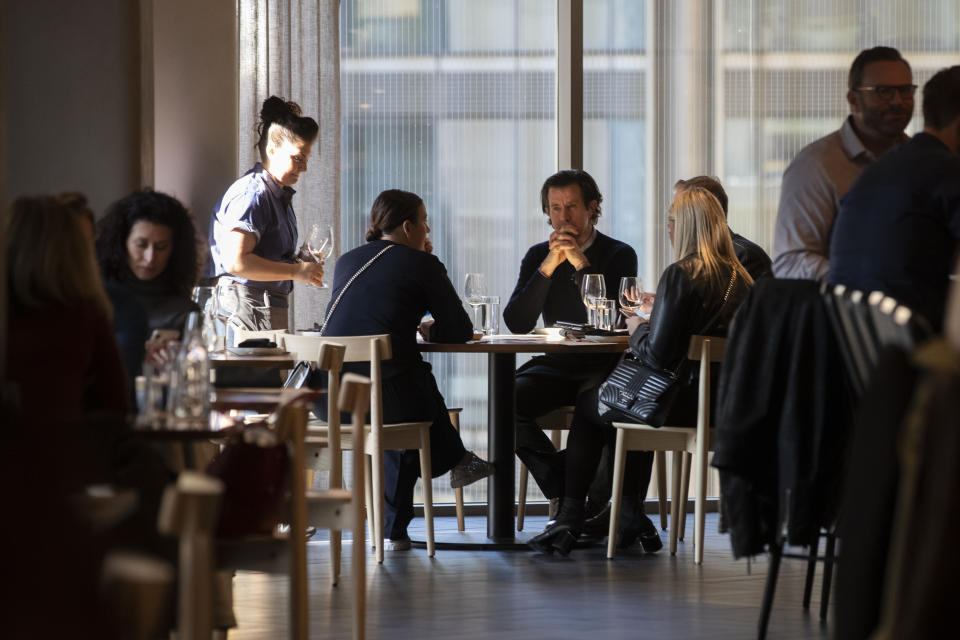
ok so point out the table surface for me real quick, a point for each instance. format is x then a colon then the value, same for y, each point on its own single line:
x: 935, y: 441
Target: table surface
x: 526, y: 344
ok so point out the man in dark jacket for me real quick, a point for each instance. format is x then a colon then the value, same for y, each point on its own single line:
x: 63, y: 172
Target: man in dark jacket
x: 549, y: 286
x: 899, y: 224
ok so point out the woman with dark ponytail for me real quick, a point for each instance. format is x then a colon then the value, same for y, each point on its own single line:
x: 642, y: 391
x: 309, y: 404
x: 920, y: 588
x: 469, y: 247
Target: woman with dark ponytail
x: 402, y: 283
x: 253, y: 229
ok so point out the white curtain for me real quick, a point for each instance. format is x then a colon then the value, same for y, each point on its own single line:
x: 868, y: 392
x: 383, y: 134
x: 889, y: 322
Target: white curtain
x: 291, y: 48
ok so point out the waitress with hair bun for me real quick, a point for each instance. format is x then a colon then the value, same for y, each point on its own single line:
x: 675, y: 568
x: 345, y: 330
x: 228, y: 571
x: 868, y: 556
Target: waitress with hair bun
x: 253, y: 229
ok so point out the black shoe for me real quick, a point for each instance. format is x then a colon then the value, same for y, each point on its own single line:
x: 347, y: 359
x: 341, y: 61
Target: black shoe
x: 642, y: 529
x: 599, y: 525
x: 547, y: 469
x: 557, y: 537
x: 562, y: 534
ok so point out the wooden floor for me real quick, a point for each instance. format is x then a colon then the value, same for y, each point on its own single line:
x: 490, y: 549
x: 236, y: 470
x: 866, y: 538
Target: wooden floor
x: 518, y: 594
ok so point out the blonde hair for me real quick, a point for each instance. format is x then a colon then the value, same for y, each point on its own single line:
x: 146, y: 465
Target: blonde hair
x: 701, y: 237
x: 50, y: 257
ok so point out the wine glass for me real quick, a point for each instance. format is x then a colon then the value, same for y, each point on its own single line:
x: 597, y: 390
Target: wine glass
x: 319, y: 247
x: 474, y: 289
x: 592, y: 288
x: 631, y: 295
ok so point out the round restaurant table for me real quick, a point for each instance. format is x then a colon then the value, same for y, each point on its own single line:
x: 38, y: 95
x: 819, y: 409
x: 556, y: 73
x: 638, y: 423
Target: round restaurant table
x: 501, y: 431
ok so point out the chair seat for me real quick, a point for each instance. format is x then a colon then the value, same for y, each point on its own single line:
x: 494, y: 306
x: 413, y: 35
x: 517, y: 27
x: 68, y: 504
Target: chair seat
x: 664, y: 438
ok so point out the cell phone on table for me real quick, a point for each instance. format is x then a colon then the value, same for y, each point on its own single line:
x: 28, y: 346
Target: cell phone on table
x: 165, y: 334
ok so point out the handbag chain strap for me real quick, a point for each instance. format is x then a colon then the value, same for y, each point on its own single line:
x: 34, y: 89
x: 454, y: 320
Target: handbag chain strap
x: 733, y: 277
x: 349, y: 282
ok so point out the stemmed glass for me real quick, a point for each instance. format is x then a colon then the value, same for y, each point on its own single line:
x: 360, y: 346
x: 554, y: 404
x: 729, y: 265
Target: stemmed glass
x: 631, y: 295
x: 592, y: 288
x: 319, y: 247
x: 474, y: 289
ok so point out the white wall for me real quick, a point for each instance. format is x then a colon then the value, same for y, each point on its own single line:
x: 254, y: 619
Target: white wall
x: 195, y: 101
x: 71, y: 98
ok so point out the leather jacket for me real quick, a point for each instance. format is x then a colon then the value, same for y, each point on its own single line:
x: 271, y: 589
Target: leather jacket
x: 683, y: 307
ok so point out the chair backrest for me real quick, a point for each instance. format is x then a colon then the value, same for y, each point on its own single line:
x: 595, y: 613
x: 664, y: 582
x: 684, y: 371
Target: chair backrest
x: 705, y: 350
x: 848, y: 337
x: 372, y: 349
x: 897, y: 324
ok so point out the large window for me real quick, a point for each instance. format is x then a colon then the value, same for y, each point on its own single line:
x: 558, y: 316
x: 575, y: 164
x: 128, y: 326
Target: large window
x: 453, y: 100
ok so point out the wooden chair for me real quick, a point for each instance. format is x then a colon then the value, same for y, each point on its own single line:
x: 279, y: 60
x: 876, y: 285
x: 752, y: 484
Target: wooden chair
x: 697, y: 441
x: 190, y: 508
x: 377, y: 435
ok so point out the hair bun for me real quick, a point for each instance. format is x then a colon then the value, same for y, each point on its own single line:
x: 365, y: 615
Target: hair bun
x: 373, y: 233
x: 276, y: 109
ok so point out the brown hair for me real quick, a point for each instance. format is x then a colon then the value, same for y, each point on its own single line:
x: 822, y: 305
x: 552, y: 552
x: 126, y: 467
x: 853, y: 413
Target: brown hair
x: 709, y: 183
x: 50, y: 259
x: 701, y: 237
x: 391, y: 209
x: 589, y: 191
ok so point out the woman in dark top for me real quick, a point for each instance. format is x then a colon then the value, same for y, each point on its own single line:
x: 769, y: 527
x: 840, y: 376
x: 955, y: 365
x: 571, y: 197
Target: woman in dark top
x: 698, y: 293
x: 391, y: 296
x: 60, y: 348
x: 147, y: 250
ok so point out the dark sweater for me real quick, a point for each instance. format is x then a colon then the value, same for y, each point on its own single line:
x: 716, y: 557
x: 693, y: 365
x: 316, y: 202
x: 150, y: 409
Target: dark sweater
x: 391, y: 296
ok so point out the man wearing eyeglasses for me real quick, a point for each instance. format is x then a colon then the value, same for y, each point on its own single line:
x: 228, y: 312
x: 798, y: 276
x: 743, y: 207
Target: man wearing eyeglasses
x: 880, y: 94
x: 899, y: 225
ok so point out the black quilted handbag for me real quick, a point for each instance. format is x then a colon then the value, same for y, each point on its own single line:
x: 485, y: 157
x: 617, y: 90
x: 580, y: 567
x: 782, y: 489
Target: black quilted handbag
x: 635, y: 392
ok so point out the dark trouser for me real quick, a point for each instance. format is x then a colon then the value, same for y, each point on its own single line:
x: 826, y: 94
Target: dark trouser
x: 547, y: 383
x: 414, y: 396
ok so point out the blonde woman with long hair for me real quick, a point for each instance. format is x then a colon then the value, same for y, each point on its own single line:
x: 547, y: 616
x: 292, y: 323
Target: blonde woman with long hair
x: 60, y: 346
x: 698, y: 293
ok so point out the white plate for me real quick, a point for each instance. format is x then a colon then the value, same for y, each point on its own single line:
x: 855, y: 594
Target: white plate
x: 257, y: 351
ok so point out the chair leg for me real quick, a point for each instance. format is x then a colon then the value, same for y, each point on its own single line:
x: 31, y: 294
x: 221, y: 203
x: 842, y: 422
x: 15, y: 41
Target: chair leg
x: 684, y: 495
x: 368, y: 496
x: 660, y: 461
x: 699, y: 510
x: 677, y: 510
x: 427, y: 477
x: 458, y: 493
x: 811, y: 569
x: 522, y: 496
x: 828, y: 561
x: 555, y: 438
x: 376, y: 464
x: 619, y: 462
x: 336, y: 538
x: 769, y: 588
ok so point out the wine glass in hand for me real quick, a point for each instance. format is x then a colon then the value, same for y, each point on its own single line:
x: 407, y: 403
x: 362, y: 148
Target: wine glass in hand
x: 631, y: 295
x: 474, y: 289
x: 592, y: 288
x: 319, y: 247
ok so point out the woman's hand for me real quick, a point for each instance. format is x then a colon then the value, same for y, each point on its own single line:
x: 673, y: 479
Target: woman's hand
x: 310, y: 272
x: 428, y: 246
x: 633, y: 322
x: 158, y: 352
x: 424, y: 329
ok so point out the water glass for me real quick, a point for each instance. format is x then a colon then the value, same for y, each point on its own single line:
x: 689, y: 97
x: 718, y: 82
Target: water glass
x: 592, y: 288
x: 489, y: 309
x: 474, y: 288
x: 606, y: 313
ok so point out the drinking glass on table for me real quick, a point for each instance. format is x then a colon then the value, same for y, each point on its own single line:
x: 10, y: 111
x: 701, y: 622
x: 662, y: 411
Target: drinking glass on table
x: 592, y: 288
x: 474, y: 289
